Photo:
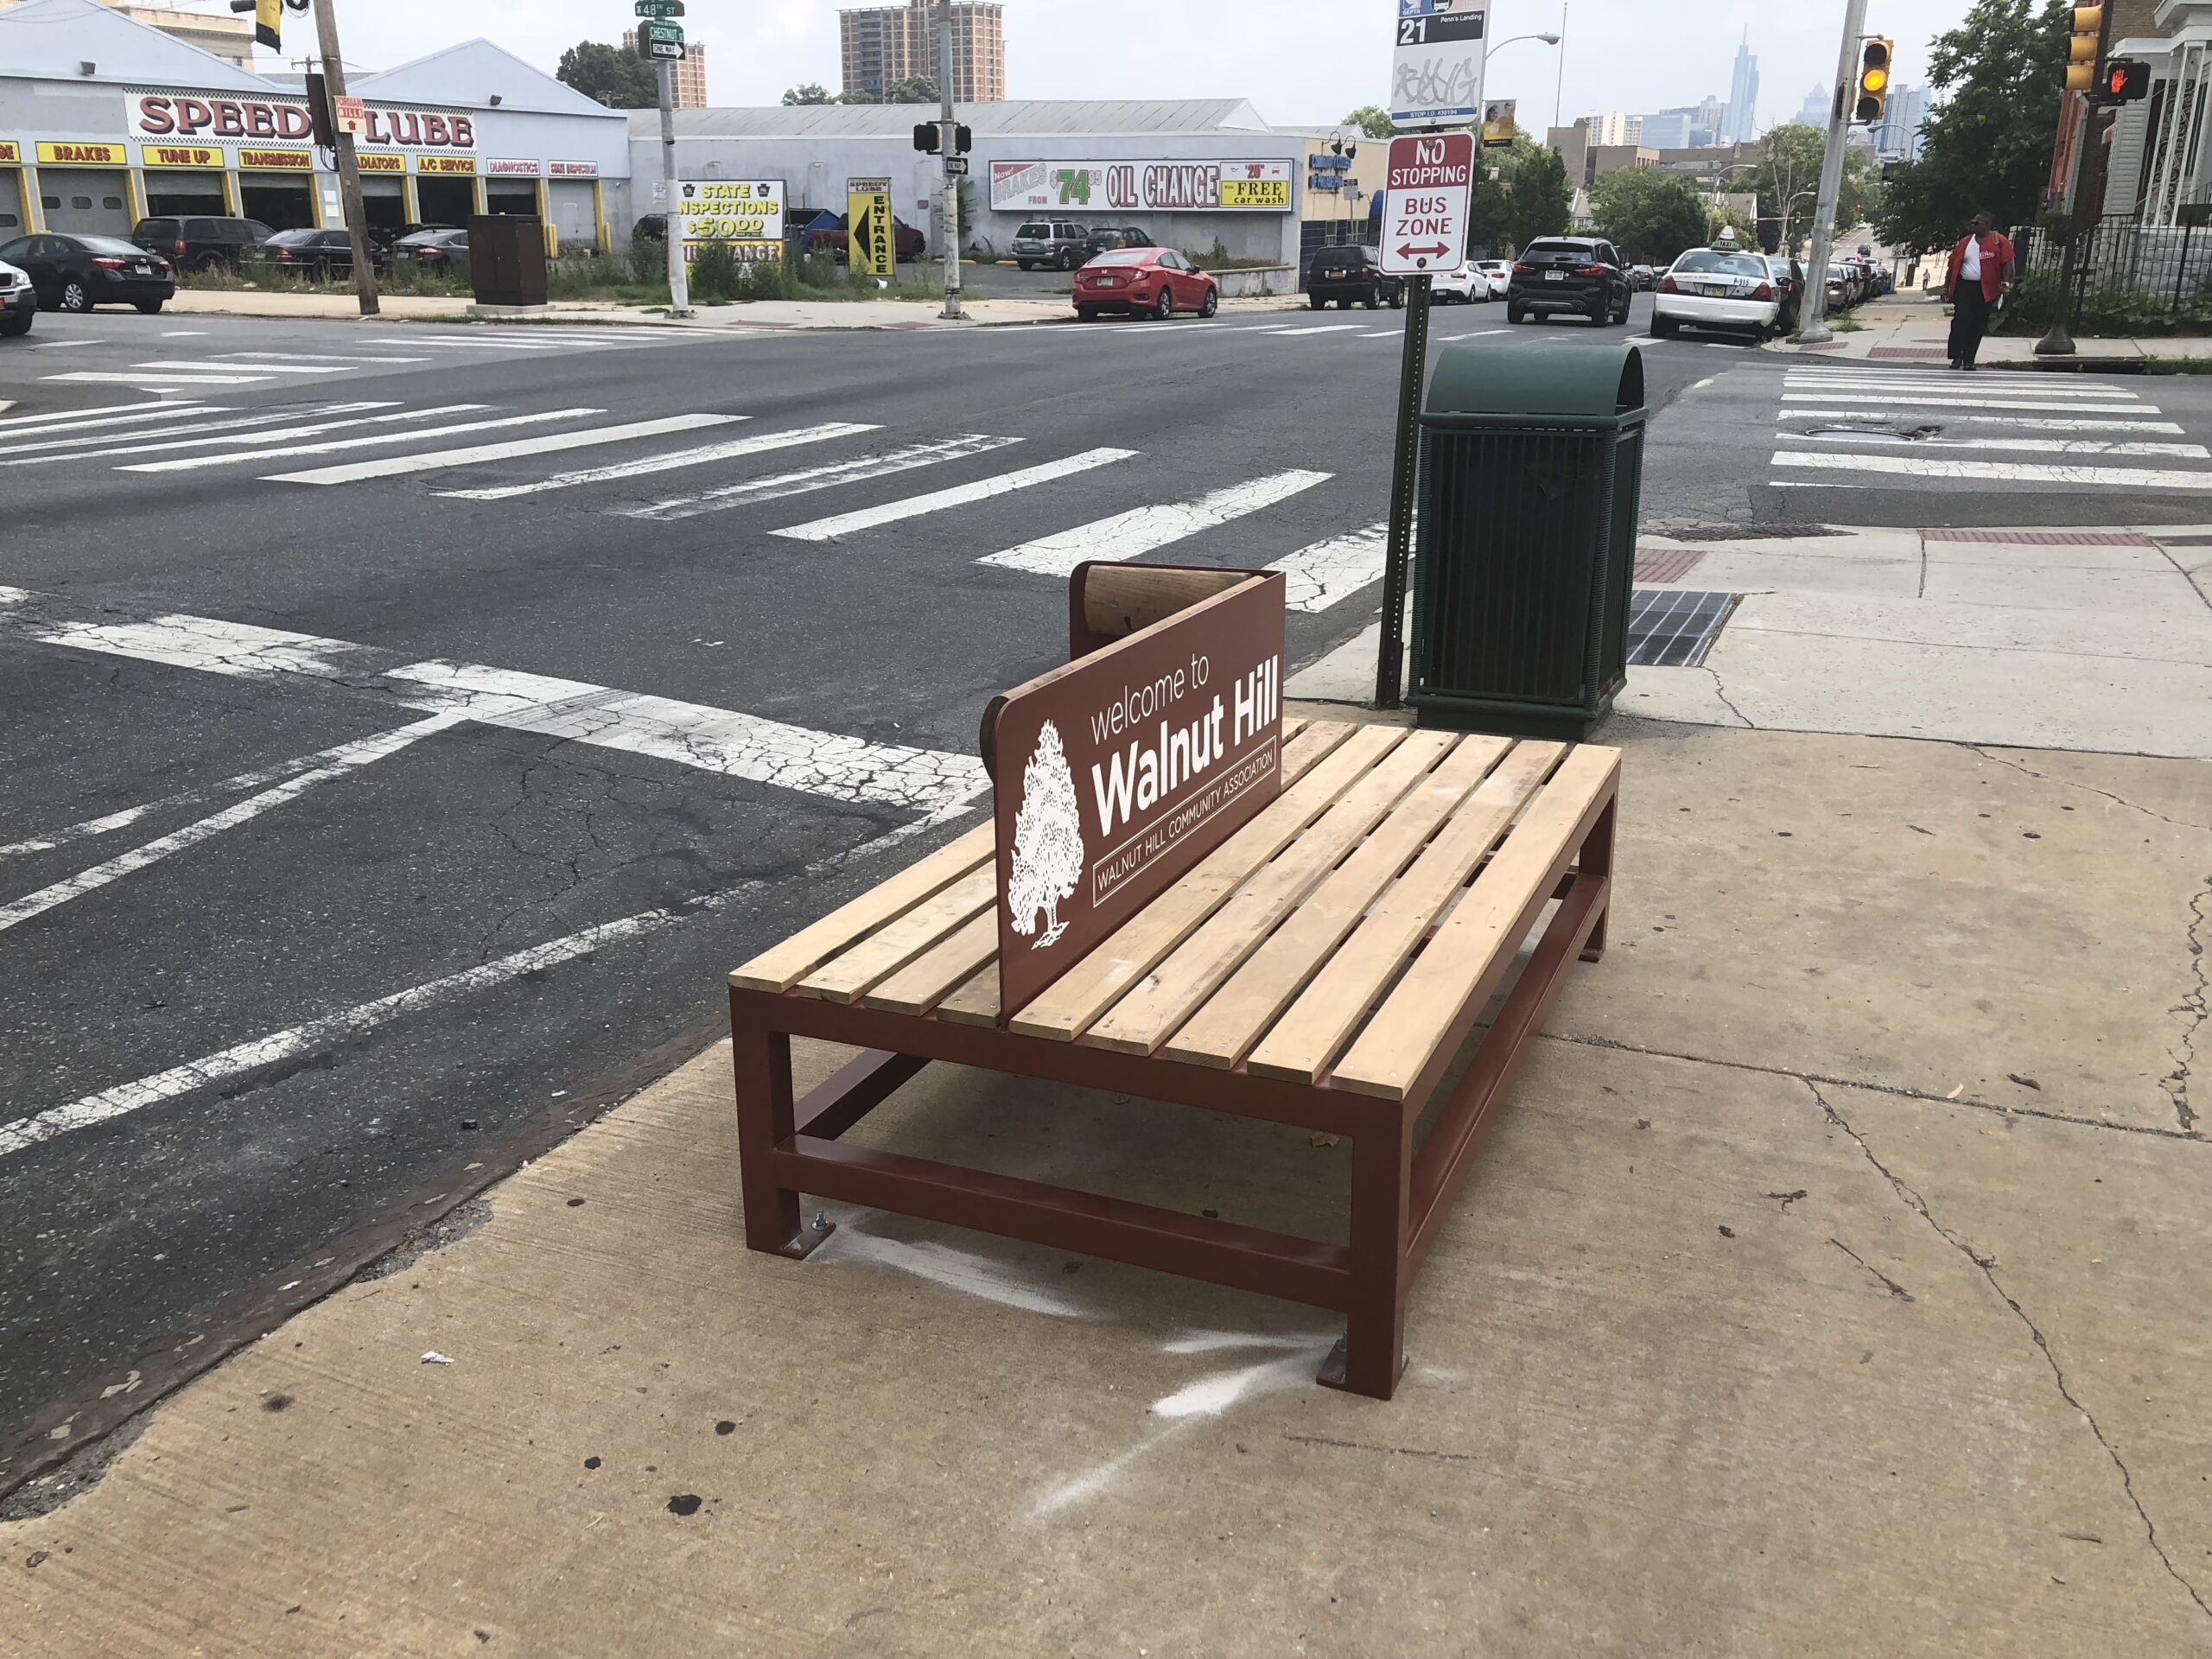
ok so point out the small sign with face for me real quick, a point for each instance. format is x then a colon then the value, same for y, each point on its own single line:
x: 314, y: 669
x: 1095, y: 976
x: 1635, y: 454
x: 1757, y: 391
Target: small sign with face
x: 1118, y: 773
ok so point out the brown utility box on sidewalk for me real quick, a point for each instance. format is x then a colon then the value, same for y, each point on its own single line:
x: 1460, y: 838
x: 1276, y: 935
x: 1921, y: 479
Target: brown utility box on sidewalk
x: 507, y: 258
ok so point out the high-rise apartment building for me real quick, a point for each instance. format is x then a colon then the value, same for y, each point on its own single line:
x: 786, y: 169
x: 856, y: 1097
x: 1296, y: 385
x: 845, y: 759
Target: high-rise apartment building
x: 1819, y: 103
x: 881, y: 45
x: 1898, y: 137
x: 1613, y: 128
x: 690, y: 72
x: 1742, y: 125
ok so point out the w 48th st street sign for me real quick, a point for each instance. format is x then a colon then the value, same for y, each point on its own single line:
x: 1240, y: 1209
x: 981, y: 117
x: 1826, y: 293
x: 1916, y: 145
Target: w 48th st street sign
x: 1427, y: 191
x: 660, y: 8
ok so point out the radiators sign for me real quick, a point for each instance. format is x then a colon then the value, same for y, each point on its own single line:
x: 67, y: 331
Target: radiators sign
x: 1141, y: 186
x: 744, y: 215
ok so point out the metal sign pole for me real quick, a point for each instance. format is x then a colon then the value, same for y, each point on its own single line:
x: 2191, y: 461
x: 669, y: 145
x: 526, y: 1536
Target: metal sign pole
x: 1398, y: 551
x: 349, y: 172
x: 1812, y: 321
x: 679, y: 287
x: 947, y: 145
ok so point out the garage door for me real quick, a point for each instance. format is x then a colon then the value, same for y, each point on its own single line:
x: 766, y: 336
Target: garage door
x: 85, y: 202
x: 14, y: 221
x: 171, y: 192
x: 572, y: 214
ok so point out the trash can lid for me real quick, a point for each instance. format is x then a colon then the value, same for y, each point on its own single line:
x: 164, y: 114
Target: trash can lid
x: 1543, y: 377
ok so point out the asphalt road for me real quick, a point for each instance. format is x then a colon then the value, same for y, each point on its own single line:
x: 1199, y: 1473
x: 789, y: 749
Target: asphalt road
x: 407, y: 726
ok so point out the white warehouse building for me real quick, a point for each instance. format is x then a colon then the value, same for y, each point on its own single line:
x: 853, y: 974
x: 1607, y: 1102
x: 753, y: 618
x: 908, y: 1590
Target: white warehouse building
x: 1190, y: 171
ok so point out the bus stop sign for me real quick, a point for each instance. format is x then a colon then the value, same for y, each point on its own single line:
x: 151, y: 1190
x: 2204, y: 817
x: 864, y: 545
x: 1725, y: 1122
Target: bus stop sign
x: 1426, y: 192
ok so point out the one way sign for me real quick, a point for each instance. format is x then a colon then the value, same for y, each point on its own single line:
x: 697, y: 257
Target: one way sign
x: 1425, y: 196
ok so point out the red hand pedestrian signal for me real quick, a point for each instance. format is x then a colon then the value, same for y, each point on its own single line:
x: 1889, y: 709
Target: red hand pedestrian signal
x: 2127, y: 80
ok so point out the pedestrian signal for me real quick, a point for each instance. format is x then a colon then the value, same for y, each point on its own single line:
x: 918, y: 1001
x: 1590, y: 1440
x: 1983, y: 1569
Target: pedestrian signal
x: 2127, y: 80
x: 927, y: 136
x: 2086, y: 47
x: 1873, y: 82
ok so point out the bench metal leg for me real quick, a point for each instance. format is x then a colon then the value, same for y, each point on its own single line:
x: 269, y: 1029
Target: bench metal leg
x: 1596, y: 859
x: 765, y: 1119
x: 1372, y: 1356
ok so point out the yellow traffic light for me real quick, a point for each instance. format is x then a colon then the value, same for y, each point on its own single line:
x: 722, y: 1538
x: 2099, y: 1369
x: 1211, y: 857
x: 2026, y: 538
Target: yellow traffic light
x: 2086, y: 46
x: 1873, y: 82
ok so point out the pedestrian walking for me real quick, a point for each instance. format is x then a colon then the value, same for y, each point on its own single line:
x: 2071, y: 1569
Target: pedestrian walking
x: 1980, y: 266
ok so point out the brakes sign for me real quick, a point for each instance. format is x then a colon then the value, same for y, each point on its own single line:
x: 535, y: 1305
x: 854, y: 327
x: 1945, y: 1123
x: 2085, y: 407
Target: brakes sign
x: 1425, y: 201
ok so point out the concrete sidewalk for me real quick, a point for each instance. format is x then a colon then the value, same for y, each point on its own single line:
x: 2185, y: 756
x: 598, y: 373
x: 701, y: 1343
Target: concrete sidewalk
x: 1915, y: 327
x: 752, y: 314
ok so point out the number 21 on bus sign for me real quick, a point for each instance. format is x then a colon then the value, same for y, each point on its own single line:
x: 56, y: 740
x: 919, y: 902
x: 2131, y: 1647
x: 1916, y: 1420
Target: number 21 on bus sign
x: 1436, y: 70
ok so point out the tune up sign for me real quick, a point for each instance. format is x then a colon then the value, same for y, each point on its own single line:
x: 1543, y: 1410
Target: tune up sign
x: 1425, y: 196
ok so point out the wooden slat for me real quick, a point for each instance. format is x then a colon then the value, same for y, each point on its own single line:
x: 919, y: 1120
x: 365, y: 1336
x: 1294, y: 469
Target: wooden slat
x: 975, y: 1003
x: 1291, y: 728
x: 1319, y: 1022
x: 883, y: 952
x: 1149, y: 1012
x: 783, y: 966
x: 1066, y: 1008
x: 1233, y: 1019
x: 1497, y: 910
x: 945, y: 966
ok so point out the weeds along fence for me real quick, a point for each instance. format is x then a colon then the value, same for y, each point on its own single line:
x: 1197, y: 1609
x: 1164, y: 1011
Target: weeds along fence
x: 2129, y: 278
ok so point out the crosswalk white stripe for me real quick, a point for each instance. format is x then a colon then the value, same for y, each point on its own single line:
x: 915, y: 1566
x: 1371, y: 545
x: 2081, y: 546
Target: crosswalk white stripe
x: 200, y: 366
x: 1978, y: 389
x: 1328, y: 571
x: 1310, y: 328
x: 2026, y: 423
x: 355, y: 756
x: 249, y: 429
x: 2004, y: 471
x: 169, y: 408
x: 394, y: 465
x: 822, y: 530
x: 149, y: 380
x: 253, y: 442
x: 1138, y: 531
x: 186, y: 462
x: 1931, y: 402
x: 509, y: 345
x: 308, y: 357
x: 760, y: 443
x: 1479, y: 334
x: 2040, y: 446
x: 806, y: 479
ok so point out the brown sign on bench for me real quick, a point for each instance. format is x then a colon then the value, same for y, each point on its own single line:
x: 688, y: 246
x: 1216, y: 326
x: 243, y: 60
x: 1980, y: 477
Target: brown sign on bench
x: 1115, y: 774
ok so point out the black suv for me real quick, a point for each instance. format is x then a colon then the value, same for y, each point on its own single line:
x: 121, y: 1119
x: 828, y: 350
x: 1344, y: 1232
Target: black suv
x: 1349, y: 273
x: 201, y: 243
x: 1579, y: 273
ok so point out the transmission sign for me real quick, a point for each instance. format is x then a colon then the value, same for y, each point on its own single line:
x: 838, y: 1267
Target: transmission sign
x: 1427, y: 191
x: 1436, y: 70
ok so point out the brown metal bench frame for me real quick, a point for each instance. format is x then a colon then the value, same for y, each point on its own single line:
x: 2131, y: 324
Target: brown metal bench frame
x: 1400, y: 1196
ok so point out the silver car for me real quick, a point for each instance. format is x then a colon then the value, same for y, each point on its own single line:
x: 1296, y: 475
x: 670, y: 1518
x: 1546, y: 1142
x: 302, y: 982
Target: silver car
x: 1051, y: 242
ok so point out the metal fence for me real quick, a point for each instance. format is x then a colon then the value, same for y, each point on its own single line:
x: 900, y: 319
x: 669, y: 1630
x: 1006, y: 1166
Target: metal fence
x: 2120, y: 261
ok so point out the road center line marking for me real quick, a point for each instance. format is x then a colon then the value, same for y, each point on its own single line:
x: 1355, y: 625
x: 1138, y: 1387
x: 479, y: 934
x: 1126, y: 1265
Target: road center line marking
x: 354, y: 756
x: 760, y: 443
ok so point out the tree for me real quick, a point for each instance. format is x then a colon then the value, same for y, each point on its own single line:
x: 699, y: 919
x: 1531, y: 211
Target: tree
x: 1649, y: 216
x: 1370, y: 119
x: 1047, y: 842
x: 1988, y: 147
x: 813, y: 92
x: 1718, y: 217
x: 915, y: 89
x: 1542, y: 198
x: 620, y: 80
x: 1787, y: 182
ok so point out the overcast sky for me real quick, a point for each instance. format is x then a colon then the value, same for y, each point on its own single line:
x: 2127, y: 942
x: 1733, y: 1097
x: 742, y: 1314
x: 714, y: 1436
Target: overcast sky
x: 1299, y: 61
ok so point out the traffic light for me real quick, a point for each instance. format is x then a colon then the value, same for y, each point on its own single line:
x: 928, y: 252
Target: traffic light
x: 2086, y: 47
x: 1873, y: 82
x: 927, y: 135
x: 268, y: 21
x: 964, y: 140
x: 2127, y: 80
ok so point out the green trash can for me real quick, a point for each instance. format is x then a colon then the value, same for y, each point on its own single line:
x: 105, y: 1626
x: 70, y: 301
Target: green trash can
x: 1531, y: 480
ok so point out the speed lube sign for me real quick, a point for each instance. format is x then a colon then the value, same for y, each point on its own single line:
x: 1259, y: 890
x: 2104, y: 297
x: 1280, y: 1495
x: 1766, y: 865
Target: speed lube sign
x: 1426, y: 195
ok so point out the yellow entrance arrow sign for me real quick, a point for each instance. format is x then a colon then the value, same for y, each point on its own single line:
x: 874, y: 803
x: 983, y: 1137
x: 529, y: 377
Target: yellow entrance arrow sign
x: 871, y: 240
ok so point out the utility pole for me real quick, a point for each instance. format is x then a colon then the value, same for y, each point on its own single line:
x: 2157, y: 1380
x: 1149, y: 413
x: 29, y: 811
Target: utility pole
x: 1813, y: 328
x: 2059, y: 342
x: 679, y: 291
x: 947, y: 145
x: 349, y: 172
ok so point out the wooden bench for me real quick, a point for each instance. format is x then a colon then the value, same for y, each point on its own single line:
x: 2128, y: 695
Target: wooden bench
x: 1323, y: 966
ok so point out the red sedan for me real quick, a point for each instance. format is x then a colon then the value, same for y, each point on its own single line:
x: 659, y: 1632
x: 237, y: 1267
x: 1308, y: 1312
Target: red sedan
x: 1144, y: 283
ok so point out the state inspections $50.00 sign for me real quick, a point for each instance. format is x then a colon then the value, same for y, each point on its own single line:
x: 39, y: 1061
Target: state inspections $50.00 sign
x: 745, y: 215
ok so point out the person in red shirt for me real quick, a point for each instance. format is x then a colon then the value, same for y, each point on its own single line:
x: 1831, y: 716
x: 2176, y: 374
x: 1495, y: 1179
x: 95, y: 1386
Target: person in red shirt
x: 1980, y: 266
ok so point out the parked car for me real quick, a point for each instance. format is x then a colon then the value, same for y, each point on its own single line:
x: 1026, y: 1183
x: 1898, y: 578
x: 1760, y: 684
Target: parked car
x: 75, y: 273
x: 1348, y: 273
x: 1051, y: 242
x: 1843, y: 288
x: 653, y: 227
x: 18, y: 301
x: 907, y: 242
x: 1643, y: 277
x: 1581, y: 274
x: 1716, y: 288
x: 1103, y: 237
x: 1500, y: 272
x: 1465, y: 286
x: 1790, y: 290
x: 390, y: 237
x: 198, y: 243
x: 431, y: 250
x: 1144, y: 283
x: 318, y: 254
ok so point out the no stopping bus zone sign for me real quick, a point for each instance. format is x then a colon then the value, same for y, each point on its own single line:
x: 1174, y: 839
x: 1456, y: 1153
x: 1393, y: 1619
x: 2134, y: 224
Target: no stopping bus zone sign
x: 1425, y: 196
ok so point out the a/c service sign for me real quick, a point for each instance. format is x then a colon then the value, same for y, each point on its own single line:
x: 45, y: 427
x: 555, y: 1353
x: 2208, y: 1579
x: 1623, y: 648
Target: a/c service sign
x: 1426, y: 197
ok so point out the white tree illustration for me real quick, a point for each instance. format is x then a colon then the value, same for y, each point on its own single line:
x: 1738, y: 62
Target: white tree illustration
x: 1047, y: 841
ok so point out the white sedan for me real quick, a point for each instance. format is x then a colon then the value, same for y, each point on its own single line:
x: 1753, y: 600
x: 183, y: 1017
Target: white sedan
x: 1468, y: 285
x: 1500, y: 272
x: 1720, y: 288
